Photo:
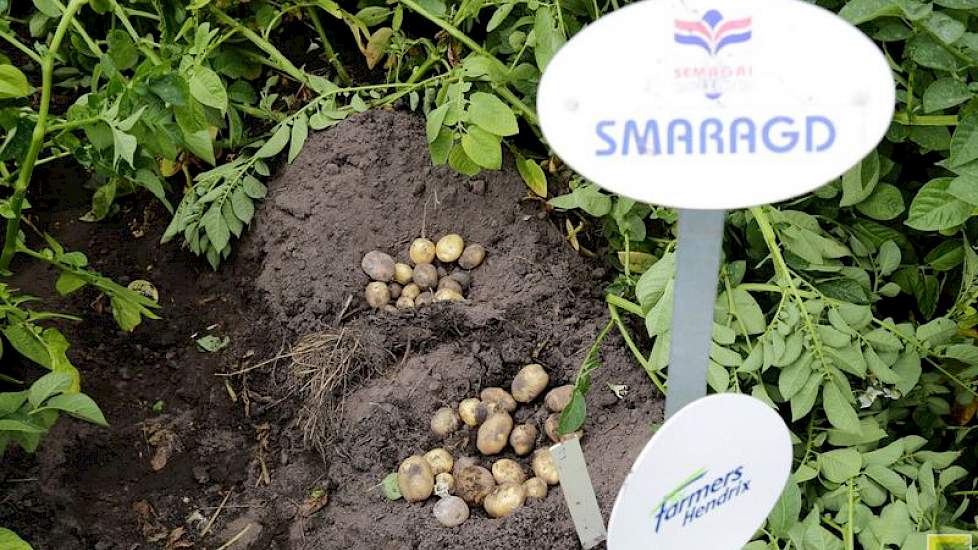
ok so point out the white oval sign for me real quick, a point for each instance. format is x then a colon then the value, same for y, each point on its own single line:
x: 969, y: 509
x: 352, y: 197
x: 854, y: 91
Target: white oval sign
x: 707, y: 479
x: 716, y: 104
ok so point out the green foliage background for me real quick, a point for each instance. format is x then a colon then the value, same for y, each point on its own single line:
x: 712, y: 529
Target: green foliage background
x: 850, y: 310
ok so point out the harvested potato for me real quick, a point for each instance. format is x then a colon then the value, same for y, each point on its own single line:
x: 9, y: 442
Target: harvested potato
x: 552, y: 429
x: 463, y: 463
x: 444, y: 422
x: 390, y: 308
x: 378, y: 295
x: 544, y: 467
x: 448, y: 295
x: 529, y: 383
x: 507, y: 470
x: 468, y: 411
x: 557, y: 399
x: 451, y: 511
x: 414, y: 479
x: 500, y: 397
x: 403, y: 273
x: 442, y: 272
x: 439, y: 460
x: 462, y: 278
x: 494, y: 433
x: 449, y: 248
x: 444, y: 484
x: 422, y: 251
x: 472, y: 256
x: 449, y: 283
x: 523, y: 438
x: 504, y: 500
x: 424, y: 299
x: 534, y: 487
x: 378, y: 266
x: 395, y: 290
x: 405, y: 303
x: 473, y: 484
x: 425, y: 275
x: 411, y: 291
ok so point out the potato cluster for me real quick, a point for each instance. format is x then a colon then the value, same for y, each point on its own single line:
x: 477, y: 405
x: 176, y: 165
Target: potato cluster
x: 428, y: 280
x: 505, y: 485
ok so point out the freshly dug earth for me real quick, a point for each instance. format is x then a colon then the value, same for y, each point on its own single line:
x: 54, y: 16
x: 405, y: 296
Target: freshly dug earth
x: 365, y: 184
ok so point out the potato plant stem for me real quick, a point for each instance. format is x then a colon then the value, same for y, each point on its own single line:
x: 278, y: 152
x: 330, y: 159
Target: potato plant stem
x: 331, y: 56
x: 37, y: 137
x: 276, y: 56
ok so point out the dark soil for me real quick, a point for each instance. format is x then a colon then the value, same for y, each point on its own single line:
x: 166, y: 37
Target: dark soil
x: 365, y: 184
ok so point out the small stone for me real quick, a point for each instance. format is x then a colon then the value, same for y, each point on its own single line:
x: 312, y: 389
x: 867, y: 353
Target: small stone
x: 479, y: 187
x: 418, y: 188
x: 331, y: 169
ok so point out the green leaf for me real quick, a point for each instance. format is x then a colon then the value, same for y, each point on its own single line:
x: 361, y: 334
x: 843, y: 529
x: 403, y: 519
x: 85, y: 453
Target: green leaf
x: 48, y: 8
x: 786, y: 511
x: 68, y: 282
x: 11, y: 425
x: 13, y: 83
x: 300, y: 131
x: 935, y: 209
x: 858, y: 12
x: 964, y: 142
x: 78, y: 405
x: 216, y: 228
x: 889, y: 257
x: 717, y: 377
x: 390, y: 487
x: 838, y: 410
x: 794, y: 377
x: 242, y: 206
x: 533, y: 176
x: 572, y: 417
x: 888, y: 479
x: 275, y: 144
x: 500, y: 15
x: 484, y: 148
x: 212, y: 343
x: 894, y: 524
x: 492, y: 115
x: 965, y: 188
x: 549, y: 39
x: 946, y: 28
x: 48, y: 385
x: 884, y: 203
x: 25, y: 338
x: 652, y: 284
x: 927, y: 52
x: 199, y: 143
x: 10, y: 541
x: 840, y: 465
x: 122, y: 50
x: 254, y: 188
x: 460, y: 161
x: 748, y: 312
x: 907, y: 367
x: 434, y: 121
x: 206, y: 87
x: 945, y: 93
x: 860, y: 180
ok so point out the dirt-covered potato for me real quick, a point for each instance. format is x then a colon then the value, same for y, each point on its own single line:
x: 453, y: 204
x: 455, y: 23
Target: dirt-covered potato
x: 557, y: 399
x: 378, y: 266
x: 378, y: 295
x: 534, y: 487
x: 395, y: 290
x: 473, y: 484
x: 422, y: 251
x: 439, y: 460
x: 462, y: 278
x: 444, y: 484
x: 472, y: 256
x: 403, y: 273
x: 523, y: 438
x: 425, y: 275
x: 405, y: 303
x: 451, y: 511
x: 529, y: 383
x: 444, y: 422
x: 390, y: 308
x: 544, y: 467
x: 449, y: 283
x: 414, y: 479
x: 500, y: 397
x: 552, y: 429
x: 411, y: 291
x: 463, y: 463
x: 494, y: 433
x: 424, y: 299
x: 504, y: 500
x: 448, y: 295
x: 449, y: 248
x: 507, y: 470
x: 468, y: 411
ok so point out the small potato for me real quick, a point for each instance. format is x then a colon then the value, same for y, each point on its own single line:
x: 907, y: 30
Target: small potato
x: 378, y: 266
x: 473, y: 484
x: 552, y: 428
x: 424, y: 299
x: 390, y: 308
x: 472, y: 256
x: 440, y: 461
x: 463, y: 463
x: 449, y: 248
x: 507, y: 470
x: 444, y: 484
x: 425, y: 275
x: 533, y: 487
x: 378, y: 295
x: 544, y: 467
x: 422, y: 251
x: 451, y: 511
x: 500, y: 397
x: 504, y: 500
x: 444, y: 422
x: 449, y: 283
x: 395, y: 290
x: 411, y: 291
x: 414, y: 479
x: 529, y: 383
x: 557, y: 399
x: 523, y: 439
x: 494, y: 433
x: 405, y: 303
x: 403, y: 273
x: 448, y: 295
x: 462, y: 278
x: 468, y: 411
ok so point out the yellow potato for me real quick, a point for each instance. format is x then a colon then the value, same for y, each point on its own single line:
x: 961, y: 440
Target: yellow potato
x: 500, y: 397
x: 529, y: 383
x: 523, y: 438
x: 403, y: 273
x: 473, y: 484
x: 448, y: 295
x: 411, y: 291
x: 444, y: 484
x: 535, y: 488
x: 378, y: 266
x: 425, y: 275
x: 557, y: 399
x: 552, y: 428
x: 439, y: 460
x: 468, y: 411
x: 444, y: 422
x: 463, y: 463
x: 449, y: 283
x: 424, y: 299
x: 506, y: 470
x: 378, y: 295
x: 449, y: 248
x: 472, y: 256
x: 544, y: 467
x: 494, y: 433
x: 451, y: 511
x: 405, y: 303
x: 504, y: 500
x: 414, y: 479
x: 422, y: 251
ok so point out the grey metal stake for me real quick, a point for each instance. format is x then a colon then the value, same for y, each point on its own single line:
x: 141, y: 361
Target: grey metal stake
x: 697, y: 267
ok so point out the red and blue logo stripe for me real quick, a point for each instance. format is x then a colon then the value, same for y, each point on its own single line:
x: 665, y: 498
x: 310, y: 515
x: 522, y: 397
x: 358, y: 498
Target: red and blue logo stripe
x: 712, y: 33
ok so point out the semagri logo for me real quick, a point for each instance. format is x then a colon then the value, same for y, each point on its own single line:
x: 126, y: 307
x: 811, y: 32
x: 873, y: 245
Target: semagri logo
x: 708, y: 35
x: 705, y: 499
x: 957, y: 541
